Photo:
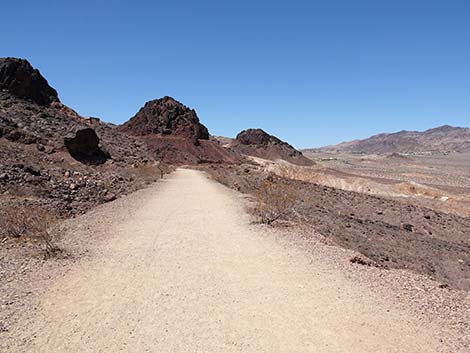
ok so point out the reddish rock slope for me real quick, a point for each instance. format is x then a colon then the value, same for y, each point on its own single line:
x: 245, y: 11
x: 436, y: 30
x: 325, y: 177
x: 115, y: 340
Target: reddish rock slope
x: 175, y: 135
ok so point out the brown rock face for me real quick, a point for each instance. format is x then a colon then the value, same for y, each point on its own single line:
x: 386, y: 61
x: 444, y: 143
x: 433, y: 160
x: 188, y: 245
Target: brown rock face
x: 258, y: 143
x: 166, y: 117
x: 18, y: 77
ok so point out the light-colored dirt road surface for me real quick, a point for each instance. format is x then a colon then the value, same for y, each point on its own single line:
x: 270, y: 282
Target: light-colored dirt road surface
x: 187, y: 272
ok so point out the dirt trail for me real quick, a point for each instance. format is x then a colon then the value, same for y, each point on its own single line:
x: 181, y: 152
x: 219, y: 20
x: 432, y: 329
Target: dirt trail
x: 188, y: 273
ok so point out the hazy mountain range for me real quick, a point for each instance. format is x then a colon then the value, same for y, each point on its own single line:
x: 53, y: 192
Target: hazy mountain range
x: 441, y: 139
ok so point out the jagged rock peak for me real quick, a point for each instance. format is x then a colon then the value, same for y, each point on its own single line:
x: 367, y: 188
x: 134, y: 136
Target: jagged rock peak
x: 166, y: 116
x: 18, y: 77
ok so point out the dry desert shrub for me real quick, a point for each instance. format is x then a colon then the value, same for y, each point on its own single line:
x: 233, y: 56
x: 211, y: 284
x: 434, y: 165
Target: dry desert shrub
x: 278, y: 198
x: 164, y: 168
x: 148, y: 171
x: 32, y: 222
x: 290, y: 171
x: 151, y: 170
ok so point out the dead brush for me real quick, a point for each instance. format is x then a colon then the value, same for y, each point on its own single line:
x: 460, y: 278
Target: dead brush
x: 30, y: 221
x: 152, y: 170
x: 148, y: 171
x: 278, y: 198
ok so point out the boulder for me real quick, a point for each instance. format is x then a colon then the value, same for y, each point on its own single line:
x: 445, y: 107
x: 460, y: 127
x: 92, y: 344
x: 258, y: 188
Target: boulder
x: 84, y: 146
x: 6, y: 127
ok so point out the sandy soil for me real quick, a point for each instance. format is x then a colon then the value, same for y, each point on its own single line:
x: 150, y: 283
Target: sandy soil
x: 181, y: 269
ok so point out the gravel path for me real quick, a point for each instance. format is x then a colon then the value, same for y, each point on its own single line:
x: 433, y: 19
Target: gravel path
x: 187, y: 272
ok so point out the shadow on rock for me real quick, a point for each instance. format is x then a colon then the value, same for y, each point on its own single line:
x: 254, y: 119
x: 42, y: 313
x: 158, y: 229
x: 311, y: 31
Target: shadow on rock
x: 84, y: 146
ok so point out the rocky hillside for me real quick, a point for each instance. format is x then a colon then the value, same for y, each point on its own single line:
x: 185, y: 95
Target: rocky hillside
x: 52, y: 157
x: 442, y: 139
x: 174, y: 134
x: 258, y: 143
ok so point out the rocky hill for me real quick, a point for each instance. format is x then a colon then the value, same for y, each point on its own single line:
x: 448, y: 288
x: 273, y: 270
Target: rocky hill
x: 443, y: 139
x: 52, y: 157
x: 166, y: 116
x: 258, y: 143
x: 174, y: 134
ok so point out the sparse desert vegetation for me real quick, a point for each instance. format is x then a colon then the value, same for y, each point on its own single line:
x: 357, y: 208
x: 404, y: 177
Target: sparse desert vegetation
x: 438, y: 182
x: 65, y: 182
x: 33, y: 223
x: 394, y: 233
x: 278, y: 199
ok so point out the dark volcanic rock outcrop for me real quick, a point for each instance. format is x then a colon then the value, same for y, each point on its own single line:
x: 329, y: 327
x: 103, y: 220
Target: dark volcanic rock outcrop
x: 84, y: 146
x: 258, y: 143
x: 166, y: 116
x: 257, y: 137
x: 18, y: 77
x: 174, y: 134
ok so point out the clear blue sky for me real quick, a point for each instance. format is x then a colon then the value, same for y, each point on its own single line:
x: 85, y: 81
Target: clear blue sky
x: 311, y: 72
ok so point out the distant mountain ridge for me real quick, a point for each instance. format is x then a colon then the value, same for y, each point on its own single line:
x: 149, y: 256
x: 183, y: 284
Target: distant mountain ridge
x: 444, y: 138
